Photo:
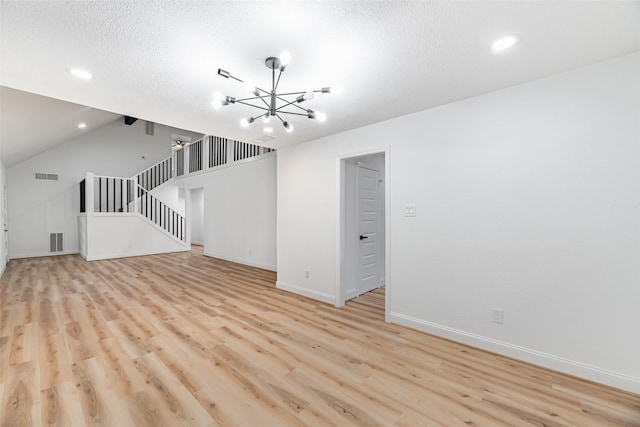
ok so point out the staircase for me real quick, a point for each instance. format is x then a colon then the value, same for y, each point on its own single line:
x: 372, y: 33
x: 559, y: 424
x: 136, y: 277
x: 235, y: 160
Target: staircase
x: 126, y: 219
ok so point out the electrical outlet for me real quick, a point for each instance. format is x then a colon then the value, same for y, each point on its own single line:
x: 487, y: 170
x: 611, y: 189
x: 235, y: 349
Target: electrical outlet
x: 498, y: 316
x: 306, y: 274
x: 410, y: 210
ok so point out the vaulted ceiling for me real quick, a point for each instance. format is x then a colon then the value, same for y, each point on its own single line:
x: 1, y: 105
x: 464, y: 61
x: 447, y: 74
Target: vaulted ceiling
x: 157, y: 60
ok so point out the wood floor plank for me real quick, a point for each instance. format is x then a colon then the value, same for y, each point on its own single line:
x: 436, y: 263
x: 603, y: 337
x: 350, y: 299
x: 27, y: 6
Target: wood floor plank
x: 188, y: 340
x: 61, y: 406
x: 21, y: 403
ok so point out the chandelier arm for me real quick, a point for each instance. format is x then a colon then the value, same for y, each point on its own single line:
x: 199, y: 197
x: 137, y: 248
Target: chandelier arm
x: 236, y: 79
x: 292, y: 103
x: 251, y: 105
x: 263, y: 91
x: 265, y: 103
x: 248, y: 99
x: 287, y: 103
x: 290, y: 112
x: 278, y: 82
x: 293, y: 93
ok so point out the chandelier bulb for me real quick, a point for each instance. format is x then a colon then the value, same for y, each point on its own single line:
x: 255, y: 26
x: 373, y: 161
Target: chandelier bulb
x: 309, y: 95
x: 336, y: 89
x: 321, y: 117
x: 266, y: 118
x: 287, y: 126
x: 217, y: 99
x: 246, y: 122
x: 285, y: 58
x: 248, y: 85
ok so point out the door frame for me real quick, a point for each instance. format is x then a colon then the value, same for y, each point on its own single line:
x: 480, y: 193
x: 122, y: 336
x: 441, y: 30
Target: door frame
x: 341, y: 221
x: 190, y: 211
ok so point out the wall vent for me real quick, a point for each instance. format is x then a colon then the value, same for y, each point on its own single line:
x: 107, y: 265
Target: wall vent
x: 149, y: 129
x: 55, y: 242
x: 47, y: 176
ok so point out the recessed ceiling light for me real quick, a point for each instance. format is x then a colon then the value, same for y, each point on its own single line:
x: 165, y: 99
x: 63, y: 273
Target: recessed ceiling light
x: 267, y: 129
x: 504, y: 42
x: 82, y: 125
x: 80, y: 73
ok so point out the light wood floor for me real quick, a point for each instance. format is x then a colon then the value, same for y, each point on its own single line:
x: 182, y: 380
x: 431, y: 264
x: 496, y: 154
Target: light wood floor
x: 186, y: 340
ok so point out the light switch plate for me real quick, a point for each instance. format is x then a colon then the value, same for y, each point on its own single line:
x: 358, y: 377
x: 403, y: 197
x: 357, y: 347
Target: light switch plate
x: 409, y: 210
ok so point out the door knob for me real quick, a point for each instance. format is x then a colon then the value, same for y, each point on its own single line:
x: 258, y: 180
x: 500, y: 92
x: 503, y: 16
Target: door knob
x: 363, y: 237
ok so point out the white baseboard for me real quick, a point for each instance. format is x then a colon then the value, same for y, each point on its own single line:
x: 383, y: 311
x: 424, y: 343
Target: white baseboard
x: 309, y: 293
x: 550, y: 361
x: 41, y: 254
x: 251, y: 263
x: 132, y: 254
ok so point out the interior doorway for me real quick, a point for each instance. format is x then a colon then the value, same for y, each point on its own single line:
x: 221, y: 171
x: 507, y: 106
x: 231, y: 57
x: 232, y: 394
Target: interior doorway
x: 196, y: 209
x: 363, y: 251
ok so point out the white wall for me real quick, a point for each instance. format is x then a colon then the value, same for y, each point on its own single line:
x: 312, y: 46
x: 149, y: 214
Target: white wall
x: 125, y: 235
x: 527, y: 201
x: 169, y: 193
x: 240, y: 211
x: 37, y: 207
x: 3, y: 181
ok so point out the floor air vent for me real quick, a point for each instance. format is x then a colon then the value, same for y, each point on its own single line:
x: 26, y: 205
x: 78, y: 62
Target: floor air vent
x: 55, y: 242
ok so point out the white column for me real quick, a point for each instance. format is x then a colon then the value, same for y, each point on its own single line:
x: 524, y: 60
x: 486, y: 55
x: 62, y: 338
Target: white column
x: 230, y: 144
x: 205, y: 152
x: 89, y: 203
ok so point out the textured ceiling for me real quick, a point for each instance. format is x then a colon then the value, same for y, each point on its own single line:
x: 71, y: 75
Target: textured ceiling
x: 157, y: 60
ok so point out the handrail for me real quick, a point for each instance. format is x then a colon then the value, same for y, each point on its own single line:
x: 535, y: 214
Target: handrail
x: 155, y: 175
x: 160, y: 214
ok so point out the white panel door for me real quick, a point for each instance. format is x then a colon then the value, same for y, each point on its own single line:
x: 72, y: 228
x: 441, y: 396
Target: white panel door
x: 367, y: 229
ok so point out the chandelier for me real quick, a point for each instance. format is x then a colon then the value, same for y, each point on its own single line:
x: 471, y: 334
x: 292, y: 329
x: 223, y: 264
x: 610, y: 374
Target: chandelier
x: 270, y: 102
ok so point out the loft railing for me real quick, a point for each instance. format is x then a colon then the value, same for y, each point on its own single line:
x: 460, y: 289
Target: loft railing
x: 195, y: 156
x: 214, y: 151
x: 160, y: 214
x: 83, y: 190
x: 156, y: 175
x: 217, y: 151
x: 244, y: 150
x: 113, y: 194
x: 179, y: 162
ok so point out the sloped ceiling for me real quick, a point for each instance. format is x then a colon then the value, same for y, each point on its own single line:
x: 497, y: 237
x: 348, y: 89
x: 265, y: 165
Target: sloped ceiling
x: 31, y: 124
x: 157, y: 60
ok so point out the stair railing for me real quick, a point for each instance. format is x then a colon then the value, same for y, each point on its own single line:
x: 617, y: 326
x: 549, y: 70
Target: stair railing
x: 156, y: 175
x: 125, y: 195
x: 113, y: 194
x: 160, y: 214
